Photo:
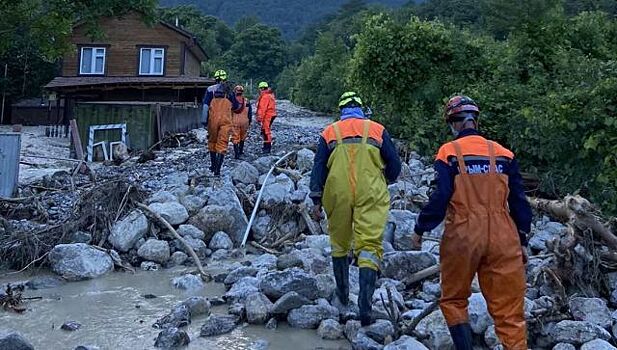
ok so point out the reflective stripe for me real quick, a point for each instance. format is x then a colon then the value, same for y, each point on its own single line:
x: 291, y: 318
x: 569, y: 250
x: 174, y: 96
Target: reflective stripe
x: 472, y: 158
x: 371, y: 257
x: 369, y: 141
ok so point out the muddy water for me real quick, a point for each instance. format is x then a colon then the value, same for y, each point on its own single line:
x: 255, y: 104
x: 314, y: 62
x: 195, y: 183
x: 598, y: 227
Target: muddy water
x: 115, y: 315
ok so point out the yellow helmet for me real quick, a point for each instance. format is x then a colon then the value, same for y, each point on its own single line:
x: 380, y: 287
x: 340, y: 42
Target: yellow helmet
x: 263, y: 85
x: 220, y: 75
x: 349, y: 98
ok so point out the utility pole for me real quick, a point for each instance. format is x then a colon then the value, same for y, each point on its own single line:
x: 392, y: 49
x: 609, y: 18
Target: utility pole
x: 6, y: 69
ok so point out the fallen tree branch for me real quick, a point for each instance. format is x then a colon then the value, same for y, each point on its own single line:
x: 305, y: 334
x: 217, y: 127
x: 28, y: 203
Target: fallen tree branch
x: 422, y: 274
x: 265, y: 249
x: 411, y: 327
x: 310, y: 224
x: 205, y: 276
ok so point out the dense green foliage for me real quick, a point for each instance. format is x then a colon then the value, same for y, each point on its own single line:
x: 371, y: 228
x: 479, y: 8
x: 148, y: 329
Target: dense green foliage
x: 290, y: 16
x: 543, y: 73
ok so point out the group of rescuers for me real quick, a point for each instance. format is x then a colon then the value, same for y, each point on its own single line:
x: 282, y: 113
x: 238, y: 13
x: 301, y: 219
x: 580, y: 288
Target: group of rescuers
x: 227, y: 112
x: 479, y: 192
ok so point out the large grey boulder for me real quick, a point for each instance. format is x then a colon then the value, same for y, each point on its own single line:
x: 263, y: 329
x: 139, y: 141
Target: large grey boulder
x: 243, y: 288
x: 564, y: 346
x: 218, y: 324
x: 154, y: 250
x: 405, y: 343
x: 197, y: 305
x: 172, y: 338
x: 264, y: 164
x: 593, y: 310
x: 193, y: 203
x: 190, y: 231
x: 310, y: 316
x: 577, y: 332
x: 178, y: 258
x: 265, y: 262
x: 330, y: 329
x: 227, y: 198
x: 379, y: 331
x: 241, y: 272
x: 173, y: 212
x: 126, y: 232
x: 434, y: 332
x: 162, y: 197
x: 289, y: 301
x: 245, y: 173
x: 10, y: 340
x: 212, y: 219
x: 404, y: 222
x: 364, y: 342
x: 180, y: 316
x: 198, y: 246
x: 275, y: 194
x: 305, y: 159
x: 598, y: 344
x: 258, y: 308
x: 79, y: 261
x: 221, y: 240
x: 399, y: 265
x: 276, y: 283
x: 545, y: 231
x: 326, y: 285
x: 188, y: 282
x: 479, y: 317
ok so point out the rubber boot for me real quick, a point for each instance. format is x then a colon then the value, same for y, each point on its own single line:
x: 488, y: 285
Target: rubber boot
x: 212, y: 161
x: 368, y: 277
x: 241, y: 146
x: 219, y: 163
x: 267, y: 148
x: 462, y: 336
x: 237, y: 151
x: 341, y: 275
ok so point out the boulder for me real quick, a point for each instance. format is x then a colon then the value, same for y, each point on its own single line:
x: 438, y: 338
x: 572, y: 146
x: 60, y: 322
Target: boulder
x: 382, y: 293
x: 404, y: 222
x: 379, y: 331
x: 217, y: 325
x: 363, y: 342
x: 227, y: 198
x: 564, y: 346
x: 258, y: 308
x: 286, y: 261
x: 260, y: 226
x: 434, y: 332
x: 479, y: 317
x: 325, y: 285
x: 592, y: 310
x: 149, y: 266
x: 180, y: 316
x: 320, y: 243
x: 221, y: 240
x: 70, y: 326
x: 399, y: 265
x: 330, y: 329
x: 245, y: 173
x: 276, y: 283
x: 304, y: 161
x: 265, y: 262
x: 241, y: 272
x: 188, y: 282
x: 197, y: 245
x: 178, y: 258
x: 577, y: 332
x: 212, y: 219
x: 197, y: 305
x: 79, y: 261
x: 351, y: 329
x: 310, y: 316
x: 275, y: 194
x: 272, y: 324
x: 193, y: 203
x: 162, y: 197
x: 405, y: 343
x: 289, y: 301
x: 173, y: 212
x: 264, y: 164
x: 190, y: 231
x: 220, y: 254
x: 598, y: 344
x: 126, y: 232
x: 10, y: 340
x: 171, y: 338
x: 154, y: 250
x: 237, y: 309
x: 241, y: 289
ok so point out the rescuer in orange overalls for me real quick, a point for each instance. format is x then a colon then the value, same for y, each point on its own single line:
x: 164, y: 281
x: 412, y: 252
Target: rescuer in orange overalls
x: 241, y: 121
x: 480, y: 194
x: 266, y: 113
x: 219, y: 128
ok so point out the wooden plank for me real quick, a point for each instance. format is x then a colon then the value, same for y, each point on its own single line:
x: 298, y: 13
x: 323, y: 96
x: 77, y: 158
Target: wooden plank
x: 79, y: 151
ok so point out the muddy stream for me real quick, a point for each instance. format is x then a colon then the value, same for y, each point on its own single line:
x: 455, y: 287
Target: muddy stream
x: 114, y: 314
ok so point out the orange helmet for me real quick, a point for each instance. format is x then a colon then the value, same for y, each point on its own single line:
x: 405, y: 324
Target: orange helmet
x: 458, y: 104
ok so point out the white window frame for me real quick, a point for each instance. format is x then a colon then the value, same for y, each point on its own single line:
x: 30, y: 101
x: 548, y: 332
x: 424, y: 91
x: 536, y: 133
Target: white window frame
x: 92, y: 60
x: 152, y: 58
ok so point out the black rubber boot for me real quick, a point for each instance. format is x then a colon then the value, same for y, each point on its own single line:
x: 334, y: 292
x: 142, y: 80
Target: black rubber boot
x: 237, y: 151
x: 241, y: 148
x: 219, y: 164
x: 267, y: 148
x: 368, y: 277
x: 462, y: 336
x: 341, y: 275
x: 212, y: 161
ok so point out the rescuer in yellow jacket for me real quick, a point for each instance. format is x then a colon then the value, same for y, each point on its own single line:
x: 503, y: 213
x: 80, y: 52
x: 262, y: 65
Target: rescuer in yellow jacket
x: 355, y: 161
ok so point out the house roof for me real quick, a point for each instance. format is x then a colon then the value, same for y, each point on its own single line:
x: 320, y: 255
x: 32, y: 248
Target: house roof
x: 74, y: 83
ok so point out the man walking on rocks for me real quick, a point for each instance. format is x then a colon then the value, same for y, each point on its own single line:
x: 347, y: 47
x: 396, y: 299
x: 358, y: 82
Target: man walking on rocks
x: 241, y: 121
x: 218, y: 104
x: 480, y: 194
x: 266, y: 113
x: 355, y: 160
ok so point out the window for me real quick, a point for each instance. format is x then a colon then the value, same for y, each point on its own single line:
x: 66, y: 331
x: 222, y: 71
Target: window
x: 92, y: 60
x: 151, y: 61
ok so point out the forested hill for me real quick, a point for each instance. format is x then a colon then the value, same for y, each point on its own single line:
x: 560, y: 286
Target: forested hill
x: 290, y: 16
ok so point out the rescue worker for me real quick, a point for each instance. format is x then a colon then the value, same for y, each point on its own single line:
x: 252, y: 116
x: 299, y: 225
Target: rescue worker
x: 241, y: 121
x: 266, y: 113
x: 355, y: 161
x: 480, y: 194
x: 217, y: 119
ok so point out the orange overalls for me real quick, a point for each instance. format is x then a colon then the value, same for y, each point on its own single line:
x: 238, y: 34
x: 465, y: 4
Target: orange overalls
x: 481, y: 237
x: 266, y: 112
x: 240, y: 122
x: 219, y: 124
